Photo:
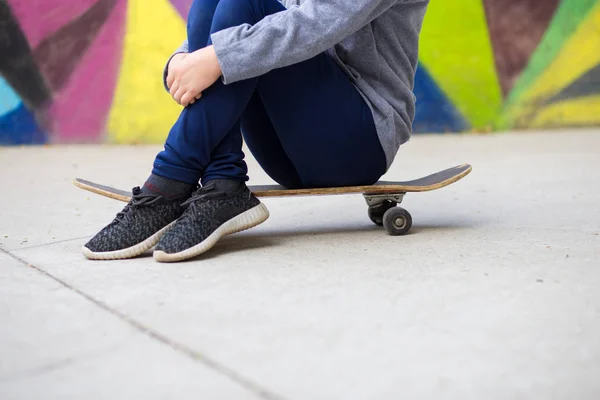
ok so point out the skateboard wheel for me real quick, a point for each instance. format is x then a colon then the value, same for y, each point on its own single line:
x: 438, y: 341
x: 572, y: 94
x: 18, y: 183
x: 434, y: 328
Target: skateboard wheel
x: 376, y: 213
x: 397, y: 221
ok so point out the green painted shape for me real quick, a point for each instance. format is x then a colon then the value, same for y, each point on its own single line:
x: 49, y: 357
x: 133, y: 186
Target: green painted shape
x: 455, y: 47
x: 565, y: 22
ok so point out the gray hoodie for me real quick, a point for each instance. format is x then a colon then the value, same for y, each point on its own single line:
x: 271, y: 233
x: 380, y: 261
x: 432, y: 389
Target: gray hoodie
x: 374, y: 41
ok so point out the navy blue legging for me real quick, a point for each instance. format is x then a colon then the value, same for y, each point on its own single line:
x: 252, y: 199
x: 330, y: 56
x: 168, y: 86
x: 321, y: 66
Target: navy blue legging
x: 306, y: 124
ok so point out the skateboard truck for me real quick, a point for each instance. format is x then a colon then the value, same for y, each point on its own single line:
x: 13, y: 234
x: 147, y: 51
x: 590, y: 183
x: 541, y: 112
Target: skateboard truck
x: 384, y: 211
x: 376, y: 199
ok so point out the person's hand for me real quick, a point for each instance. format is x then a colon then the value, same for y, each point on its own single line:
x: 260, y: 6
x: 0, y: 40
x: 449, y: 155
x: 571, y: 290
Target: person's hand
x: 175, y: 60
x: 190, y: 75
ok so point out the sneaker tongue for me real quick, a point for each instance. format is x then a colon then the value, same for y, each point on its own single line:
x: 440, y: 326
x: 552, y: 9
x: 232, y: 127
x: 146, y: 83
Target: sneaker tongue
x: 136, y: 190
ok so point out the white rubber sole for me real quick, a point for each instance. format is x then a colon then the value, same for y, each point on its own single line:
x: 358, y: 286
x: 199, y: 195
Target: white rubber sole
x: 246, y: 220
x: 129, y: 252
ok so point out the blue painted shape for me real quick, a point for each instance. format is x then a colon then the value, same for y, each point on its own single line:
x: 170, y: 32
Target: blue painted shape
x: 20, y: 127
x: 9, y: 100
x: 435, y: 113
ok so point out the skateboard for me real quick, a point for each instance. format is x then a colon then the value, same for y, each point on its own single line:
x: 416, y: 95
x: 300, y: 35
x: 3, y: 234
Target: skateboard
x: 382, y: 197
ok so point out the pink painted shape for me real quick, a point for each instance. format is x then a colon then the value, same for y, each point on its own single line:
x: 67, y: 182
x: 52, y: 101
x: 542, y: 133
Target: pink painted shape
x: 182, y: 7
x: 41, y: 18
x: 81, y: 108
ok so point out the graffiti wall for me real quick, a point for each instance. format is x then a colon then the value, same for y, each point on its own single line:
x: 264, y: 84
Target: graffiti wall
x: 87, y: 70
x: 90, y: 70
x: 506, y: 64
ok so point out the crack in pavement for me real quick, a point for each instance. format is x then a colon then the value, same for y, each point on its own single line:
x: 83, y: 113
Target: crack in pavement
x: 58, y: 364
x: 38, y: 370
x: 35, y: 246
x: 181, y: 348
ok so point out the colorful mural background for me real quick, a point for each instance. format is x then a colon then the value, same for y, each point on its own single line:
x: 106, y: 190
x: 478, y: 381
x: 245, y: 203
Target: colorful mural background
x: 89, y: 71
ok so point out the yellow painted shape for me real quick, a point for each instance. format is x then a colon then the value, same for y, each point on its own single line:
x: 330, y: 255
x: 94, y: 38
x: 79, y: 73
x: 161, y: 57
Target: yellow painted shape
x: 455, y: 48
x: 576, y: 112
x: 142, y: 111
x: 578, y: 55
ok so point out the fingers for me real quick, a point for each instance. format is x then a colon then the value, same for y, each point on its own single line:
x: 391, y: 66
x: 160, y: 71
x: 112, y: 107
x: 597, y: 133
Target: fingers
x: 173, y: 88
x: 179, y: 95
x: 193, y: 100
x: 186, y: 98
x: 171, y: 66
x: 189, y: 98
x: 182, y: 96
x: 177, y: 92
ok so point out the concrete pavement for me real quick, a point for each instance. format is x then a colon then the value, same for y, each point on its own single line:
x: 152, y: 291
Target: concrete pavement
x: 494, y: 294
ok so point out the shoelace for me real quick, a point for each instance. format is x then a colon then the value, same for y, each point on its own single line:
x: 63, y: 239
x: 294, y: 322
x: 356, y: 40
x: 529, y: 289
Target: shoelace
x: 205, y: 192
x: 139, y: 199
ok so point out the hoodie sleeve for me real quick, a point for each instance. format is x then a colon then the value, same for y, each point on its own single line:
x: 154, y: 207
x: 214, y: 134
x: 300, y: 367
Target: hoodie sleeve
x: 291, y: 36
x: 181, y: 49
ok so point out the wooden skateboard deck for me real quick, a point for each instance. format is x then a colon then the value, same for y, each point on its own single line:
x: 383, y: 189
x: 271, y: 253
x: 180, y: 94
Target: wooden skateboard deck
x: 382, y: 197
x: 431, y: 182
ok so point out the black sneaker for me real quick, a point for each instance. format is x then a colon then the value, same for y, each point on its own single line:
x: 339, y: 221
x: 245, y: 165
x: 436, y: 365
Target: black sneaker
x: 220, y: 208
x: 136, y: 229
